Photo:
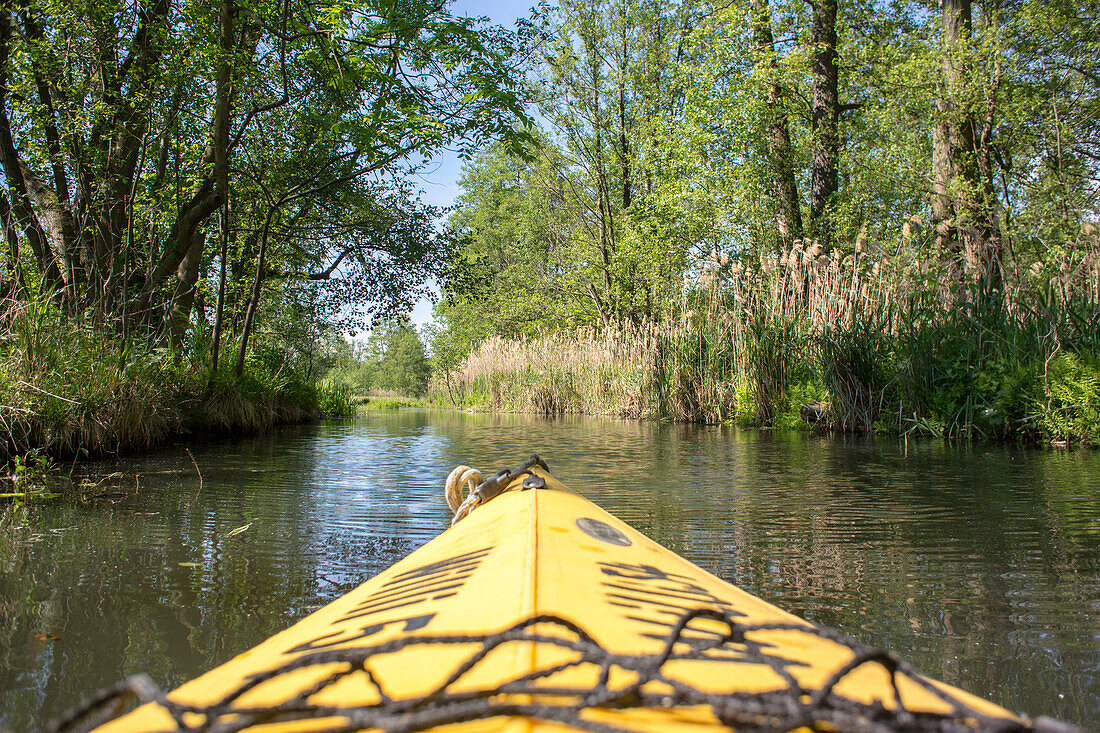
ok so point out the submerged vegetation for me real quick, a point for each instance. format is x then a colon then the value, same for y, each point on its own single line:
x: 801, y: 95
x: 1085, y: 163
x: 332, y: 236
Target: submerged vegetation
x: 786, y: 212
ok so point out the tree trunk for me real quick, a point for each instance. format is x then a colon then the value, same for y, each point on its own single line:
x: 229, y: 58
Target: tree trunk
x: 180, y: 239
x: 599, y: 305
x: 221, y: 165
x: 825, y: 119
x: 219, y: 308
x: 993, y: 269
x: 56, y: 202
x: 973, y: 207
x: 946, y: 242
x: 116, y: 145
x: 183, y: 296
x: 12, y: 284
x: 22, y: 211
x: 607, y: 237
x: 960, y: 139
x: 58, y: 226
x: 254, y: 298
x: 624, y: 146
x: 788, y: 214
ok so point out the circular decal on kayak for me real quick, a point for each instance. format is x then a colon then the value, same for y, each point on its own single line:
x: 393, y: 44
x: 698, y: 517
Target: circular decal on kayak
x: 603, y: 532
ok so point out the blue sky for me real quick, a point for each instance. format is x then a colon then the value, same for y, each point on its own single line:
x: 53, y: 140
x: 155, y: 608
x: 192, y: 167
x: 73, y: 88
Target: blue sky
x: 439, y: 180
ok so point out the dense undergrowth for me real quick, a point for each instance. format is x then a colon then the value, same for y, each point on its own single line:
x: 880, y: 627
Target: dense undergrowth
x: 65, y: 389
x: 876, y: 348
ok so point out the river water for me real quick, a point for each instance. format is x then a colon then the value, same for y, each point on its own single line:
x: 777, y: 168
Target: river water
x: 979, y: 564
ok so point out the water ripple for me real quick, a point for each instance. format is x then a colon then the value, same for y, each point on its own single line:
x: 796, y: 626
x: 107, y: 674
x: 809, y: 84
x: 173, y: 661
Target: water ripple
x: 979, y: 564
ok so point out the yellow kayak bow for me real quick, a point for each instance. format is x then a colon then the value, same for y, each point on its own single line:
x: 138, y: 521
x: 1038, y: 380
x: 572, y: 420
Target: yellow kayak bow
x: 541, y: 612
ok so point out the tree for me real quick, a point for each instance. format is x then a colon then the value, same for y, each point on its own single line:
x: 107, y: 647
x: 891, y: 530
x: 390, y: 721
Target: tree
x: 788, y: 214
x: 966, y: 222
x: 824, y: 120
x: 679, y: 136
x: 399, y: 362
x: 126, y: 126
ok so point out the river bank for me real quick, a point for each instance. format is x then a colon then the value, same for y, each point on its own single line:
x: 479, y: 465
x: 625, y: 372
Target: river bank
x: 1001, y: 369
x: 1051, y: 399
x: 68, y: 389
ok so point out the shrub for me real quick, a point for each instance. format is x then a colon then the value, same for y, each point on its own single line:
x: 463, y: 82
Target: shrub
x: 1072, y: 410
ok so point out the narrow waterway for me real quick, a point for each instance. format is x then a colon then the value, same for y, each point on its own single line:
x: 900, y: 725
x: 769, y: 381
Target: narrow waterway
x: 981, y: 565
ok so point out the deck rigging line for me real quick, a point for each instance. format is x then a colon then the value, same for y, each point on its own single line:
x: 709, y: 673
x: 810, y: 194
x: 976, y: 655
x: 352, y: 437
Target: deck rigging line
x: 706, y: 633
x: 536, y: 695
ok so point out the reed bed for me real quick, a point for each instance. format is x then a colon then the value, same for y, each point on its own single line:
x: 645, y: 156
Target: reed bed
x: 848, y: 342
x: 587, y: 372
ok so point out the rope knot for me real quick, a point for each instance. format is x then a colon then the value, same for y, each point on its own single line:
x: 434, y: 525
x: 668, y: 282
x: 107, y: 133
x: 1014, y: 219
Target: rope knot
x: 460, y: 478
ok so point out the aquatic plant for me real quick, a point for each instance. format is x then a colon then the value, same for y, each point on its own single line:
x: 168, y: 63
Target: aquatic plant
x: 866, y: 345
x: 856, y: 363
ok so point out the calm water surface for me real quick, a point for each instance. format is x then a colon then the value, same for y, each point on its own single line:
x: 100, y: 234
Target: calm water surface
x: 981, y: 565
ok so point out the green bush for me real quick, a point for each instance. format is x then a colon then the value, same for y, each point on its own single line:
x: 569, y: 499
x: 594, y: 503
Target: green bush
x: 1072, y: 410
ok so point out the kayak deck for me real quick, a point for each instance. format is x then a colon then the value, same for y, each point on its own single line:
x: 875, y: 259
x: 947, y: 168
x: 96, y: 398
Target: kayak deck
x: 542, y: 612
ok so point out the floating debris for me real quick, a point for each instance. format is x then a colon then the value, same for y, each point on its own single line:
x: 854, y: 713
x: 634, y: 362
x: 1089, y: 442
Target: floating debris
x: 238, y: 530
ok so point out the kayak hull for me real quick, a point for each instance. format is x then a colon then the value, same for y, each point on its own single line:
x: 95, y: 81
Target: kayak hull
x: 546, y: 553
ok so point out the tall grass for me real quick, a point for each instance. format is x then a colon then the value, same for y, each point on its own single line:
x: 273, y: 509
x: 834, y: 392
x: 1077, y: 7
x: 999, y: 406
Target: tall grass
x: 878, y: 345
x: 607, y: 372
x: 65, y: 389
x: 856, y: 360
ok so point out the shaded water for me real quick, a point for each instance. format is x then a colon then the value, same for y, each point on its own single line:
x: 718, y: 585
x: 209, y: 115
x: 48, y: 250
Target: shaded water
x: 980, y: 565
